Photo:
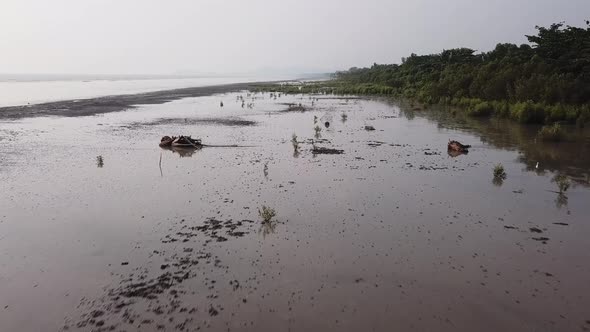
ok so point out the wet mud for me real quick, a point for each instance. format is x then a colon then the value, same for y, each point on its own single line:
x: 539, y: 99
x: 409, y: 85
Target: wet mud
x: 103, y: 230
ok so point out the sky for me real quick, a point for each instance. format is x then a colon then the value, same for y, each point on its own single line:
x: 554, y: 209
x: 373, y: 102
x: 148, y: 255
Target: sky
x: 246, y: 36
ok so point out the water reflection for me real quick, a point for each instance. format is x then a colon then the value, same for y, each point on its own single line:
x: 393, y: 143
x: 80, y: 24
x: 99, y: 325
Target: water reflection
x: 571, y: 158
x: 455, y: 153
x: 561, y: 200
x: 182, y: 151
x: 267, y: 228
x: 498, y: 181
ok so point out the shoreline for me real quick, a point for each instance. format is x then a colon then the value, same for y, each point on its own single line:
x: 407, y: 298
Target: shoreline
x: 116, y: 103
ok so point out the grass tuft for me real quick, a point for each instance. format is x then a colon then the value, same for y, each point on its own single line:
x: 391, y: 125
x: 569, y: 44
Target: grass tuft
x: 499, y: 172
x: 267, y: 213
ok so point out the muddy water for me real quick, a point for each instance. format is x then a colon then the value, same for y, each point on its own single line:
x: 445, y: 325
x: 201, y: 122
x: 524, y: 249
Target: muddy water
x: 100, y: 229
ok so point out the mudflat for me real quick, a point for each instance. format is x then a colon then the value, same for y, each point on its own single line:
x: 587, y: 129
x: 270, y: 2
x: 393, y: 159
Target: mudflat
x: 101, y: 105
x: 375, y: 230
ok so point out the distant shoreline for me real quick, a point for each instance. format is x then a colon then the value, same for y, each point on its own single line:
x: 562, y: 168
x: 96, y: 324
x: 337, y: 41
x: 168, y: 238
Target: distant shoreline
x: 116, y: 103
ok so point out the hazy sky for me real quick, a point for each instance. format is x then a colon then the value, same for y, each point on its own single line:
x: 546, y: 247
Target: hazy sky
x: 228, y: 36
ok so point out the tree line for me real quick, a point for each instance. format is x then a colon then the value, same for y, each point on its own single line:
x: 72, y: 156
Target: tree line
x: 547, y: 80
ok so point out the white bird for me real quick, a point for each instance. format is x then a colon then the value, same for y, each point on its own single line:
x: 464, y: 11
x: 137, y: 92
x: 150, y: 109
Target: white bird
x: 537, y: 166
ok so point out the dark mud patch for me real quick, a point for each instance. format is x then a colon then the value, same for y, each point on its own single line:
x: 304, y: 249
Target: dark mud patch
x: 157, y: 296
x: 231, y: 122
x: 317, y: 140
x: 322, y: 150
x: 428, y: 152
x: 541, y: 239
x: 299, y: 108
x: 433, y: 168
x: 375, y: 143
x: 212, y: 229
x: 107, y: 104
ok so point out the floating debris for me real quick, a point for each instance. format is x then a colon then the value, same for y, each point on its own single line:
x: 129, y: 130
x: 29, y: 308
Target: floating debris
x: 180, y: 141
x: 458, y: 147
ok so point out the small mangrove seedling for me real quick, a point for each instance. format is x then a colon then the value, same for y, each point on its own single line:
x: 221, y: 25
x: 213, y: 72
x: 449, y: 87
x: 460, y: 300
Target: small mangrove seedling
x: 99, y: 162
x: 267, y: 213
x: 294, y: 142
x: 563, y: 183
x: 499, y: 172
x: 344, y: 117
x: 265, y: 170
x: 315, y: 119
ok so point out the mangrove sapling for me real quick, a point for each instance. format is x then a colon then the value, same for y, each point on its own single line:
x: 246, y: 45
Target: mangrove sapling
x: 315, y: 119
x: 344, y: 117
x: 267, y: 213
x: 99, y: 162
x: 499, y: 175
x: 563, y: 183
x: 499, y: 172
x: 561, y: 200
x: 294, y: 142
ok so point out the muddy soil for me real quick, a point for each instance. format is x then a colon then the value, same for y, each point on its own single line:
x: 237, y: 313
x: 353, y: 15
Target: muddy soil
x: 102, y: 230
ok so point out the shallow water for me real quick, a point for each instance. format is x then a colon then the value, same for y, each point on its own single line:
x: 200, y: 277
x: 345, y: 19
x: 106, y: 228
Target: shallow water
x: 392, y: 234
x: 42, y: 90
